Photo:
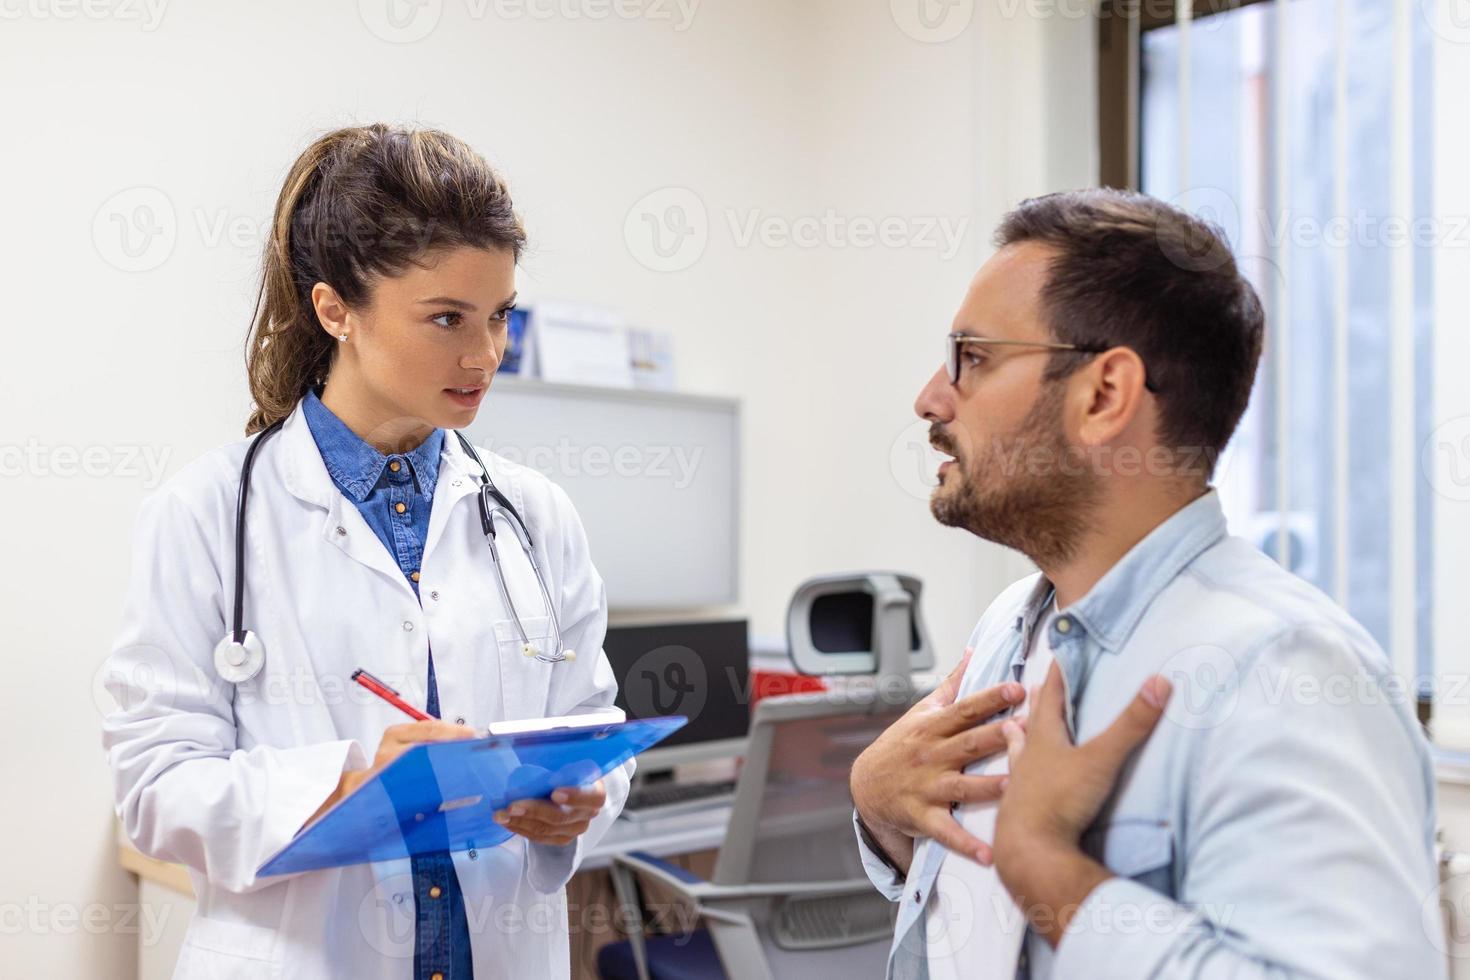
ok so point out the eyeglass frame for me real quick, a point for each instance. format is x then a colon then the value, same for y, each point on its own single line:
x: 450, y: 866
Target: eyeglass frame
x: 954, y: 341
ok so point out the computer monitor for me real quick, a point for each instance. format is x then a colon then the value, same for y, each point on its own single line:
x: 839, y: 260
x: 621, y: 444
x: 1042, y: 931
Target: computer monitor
x: 650, y: 472
x: 700, y: 670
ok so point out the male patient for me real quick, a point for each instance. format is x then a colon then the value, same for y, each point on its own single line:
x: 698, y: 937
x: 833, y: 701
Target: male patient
x: 1163, y: 756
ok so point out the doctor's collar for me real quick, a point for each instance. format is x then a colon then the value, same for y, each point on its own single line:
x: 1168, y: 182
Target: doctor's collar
x: 355, y: 465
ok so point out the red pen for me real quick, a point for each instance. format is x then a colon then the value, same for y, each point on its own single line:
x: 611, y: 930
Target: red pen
x: 388, y: 694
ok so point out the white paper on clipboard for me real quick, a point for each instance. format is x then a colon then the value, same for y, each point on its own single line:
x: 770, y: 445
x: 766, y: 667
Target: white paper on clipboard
x: 590, y: 719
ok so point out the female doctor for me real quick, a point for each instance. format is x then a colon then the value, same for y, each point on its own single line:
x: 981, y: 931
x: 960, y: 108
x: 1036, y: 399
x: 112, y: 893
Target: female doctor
x: 388, y: 281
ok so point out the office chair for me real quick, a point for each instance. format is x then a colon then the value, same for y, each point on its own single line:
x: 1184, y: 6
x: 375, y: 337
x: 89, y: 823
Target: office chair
x: 788, y: 896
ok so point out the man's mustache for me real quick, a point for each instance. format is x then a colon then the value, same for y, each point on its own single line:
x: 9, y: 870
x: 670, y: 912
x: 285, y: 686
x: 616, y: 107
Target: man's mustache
x: 941, y: 440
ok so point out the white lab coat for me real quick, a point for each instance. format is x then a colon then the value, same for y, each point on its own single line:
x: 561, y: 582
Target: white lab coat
x: 220, y: 777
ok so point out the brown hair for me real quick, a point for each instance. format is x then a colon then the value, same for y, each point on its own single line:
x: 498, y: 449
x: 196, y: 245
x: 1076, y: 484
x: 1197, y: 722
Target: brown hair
x: 1132, y: 271
x: 358, y: 205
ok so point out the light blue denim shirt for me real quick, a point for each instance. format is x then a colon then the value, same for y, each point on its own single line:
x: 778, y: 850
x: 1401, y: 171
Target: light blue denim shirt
x: 393, y: 493
x: 1278, y: 823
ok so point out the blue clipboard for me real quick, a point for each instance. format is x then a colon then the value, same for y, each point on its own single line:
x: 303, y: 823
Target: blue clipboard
x: 442, y: 796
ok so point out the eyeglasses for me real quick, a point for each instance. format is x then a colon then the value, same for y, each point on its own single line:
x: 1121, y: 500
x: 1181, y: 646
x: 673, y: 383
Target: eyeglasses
x: 955, y: 341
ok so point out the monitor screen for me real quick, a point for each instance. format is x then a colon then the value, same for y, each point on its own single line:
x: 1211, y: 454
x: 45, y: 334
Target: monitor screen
x: 700, y: 670
x: 650, y: 473
x: 842, y: 622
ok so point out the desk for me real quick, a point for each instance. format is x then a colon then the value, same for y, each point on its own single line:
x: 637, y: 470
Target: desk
x: 682, y: 833
x: 689, y: 839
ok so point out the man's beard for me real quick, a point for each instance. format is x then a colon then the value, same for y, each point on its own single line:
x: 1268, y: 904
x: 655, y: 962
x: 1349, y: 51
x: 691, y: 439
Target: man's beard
x: 1042, y: 514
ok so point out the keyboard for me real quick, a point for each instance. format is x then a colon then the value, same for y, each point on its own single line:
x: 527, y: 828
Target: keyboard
x: 667, y: 797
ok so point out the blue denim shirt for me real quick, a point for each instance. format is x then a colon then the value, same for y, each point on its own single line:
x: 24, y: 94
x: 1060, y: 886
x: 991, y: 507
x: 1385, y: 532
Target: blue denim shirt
x: 394, y: 494
x: 1279, y: 822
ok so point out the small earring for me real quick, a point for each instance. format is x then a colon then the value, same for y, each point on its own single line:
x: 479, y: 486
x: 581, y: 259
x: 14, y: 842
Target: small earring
x: 342, y: 337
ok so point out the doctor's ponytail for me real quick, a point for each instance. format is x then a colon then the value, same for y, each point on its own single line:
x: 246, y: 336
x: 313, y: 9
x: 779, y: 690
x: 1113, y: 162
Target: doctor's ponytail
x: 360, y: 204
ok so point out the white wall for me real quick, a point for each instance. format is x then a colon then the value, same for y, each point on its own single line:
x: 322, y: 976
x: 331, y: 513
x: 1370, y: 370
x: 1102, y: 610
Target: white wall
x: 788, y: 108
x: 955, y: 132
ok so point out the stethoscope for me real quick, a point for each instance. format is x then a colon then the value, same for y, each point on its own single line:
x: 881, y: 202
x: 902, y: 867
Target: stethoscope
x: 240, y: 656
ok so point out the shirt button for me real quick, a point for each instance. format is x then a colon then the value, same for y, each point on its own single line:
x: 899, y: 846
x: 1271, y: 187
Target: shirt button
x: 408, y: 626
x: 400, y: 508
x: 1064, y: 625
x: 435, y: 892
x: 434, y: 595
x: 395, y: 466
x: 917, y: 896
x: 414, y: 576
x: 459, y: 721
x: 341, y: 529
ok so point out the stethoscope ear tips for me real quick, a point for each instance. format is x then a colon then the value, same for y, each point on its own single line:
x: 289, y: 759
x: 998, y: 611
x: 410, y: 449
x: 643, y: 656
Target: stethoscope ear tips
x: 531, y: 650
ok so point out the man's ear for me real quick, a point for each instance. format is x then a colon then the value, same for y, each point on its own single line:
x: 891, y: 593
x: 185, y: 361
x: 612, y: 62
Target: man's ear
x: 1111, y: 390
x: 331, y: 312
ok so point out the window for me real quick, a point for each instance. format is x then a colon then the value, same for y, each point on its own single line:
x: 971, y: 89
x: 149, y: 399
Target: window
x: 1304, y: 128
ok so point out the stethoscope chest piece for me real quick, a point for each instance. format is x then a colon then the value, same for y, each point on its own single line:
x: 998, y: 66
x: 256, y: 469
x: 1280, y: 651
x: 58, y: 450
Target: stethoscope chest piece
x: 239, y: 662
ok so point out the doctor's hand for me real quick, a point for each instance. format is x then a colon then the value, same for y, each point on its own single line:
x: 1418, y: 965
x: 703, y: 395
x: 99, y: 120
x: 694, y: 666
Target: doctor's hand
x: 558, y: 822
x: 903, y: 784
x: 396, y: 740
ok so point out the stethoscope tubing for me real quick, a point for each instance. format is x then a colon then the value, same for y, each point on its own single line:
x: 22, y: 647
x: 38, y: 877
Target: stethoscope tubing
x: 239, y: 611
x: 493, y: 501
